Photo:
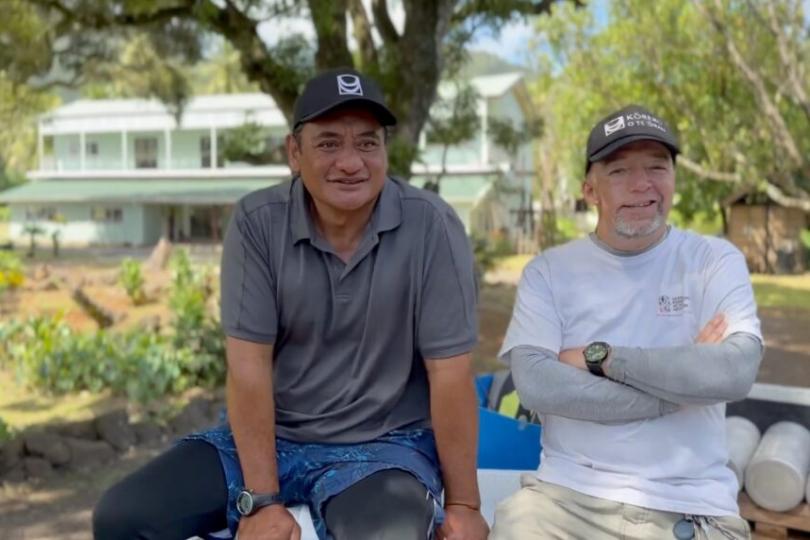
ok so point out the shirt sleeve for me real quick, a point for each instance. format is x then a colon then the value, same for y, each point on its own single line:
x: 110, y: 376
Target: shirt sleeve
x: 728, y: 290
x: 535, y: 320
x: 447, y: 322
x: 248, y: 291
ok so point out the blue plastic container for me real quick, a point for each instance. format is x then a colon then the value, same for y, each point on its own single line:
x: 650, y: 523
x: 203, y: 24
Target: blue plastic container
x: 504, y: 442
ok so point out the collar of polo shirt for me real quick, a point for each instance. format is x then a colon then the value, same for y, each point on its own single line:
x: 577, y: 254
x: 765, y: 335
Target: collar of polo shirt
x: 387, y: 213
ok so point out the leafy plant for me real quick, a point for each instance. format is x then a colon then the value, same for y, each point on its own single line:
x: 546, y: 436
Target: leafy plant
x: 6, y: 433
x: 131, y: 278
x: 11, y: 271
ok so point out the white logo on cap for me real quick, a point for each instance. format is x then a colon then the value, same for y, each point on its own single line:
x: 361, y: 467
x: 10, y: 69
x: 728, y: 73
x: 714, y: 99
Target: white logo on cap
x: 614, y: 125
x: 349, y: 85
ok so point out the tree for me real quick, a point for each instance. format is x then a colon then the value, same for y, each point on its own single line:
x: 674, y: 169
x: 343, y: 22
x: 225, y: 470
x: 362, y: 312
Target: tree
x: 79, y: 38
x: 729, y: 74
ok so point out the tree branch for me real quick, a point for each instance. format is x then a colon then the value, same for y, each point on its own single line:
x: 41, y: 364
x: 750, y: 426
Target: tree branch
x: 382, y: 21
x: 781, y: 132
x: 707, y: 174
x: 779, y: 196
x: 789, y: 63
x: 274, y: 78
x: 99, y: 19
x: 362, y: 33
x: 329, y: 18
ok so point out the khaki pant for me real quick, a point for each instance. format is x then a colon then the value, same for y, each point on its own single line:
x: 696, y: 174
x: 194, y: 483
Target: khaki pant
x: 541, y: 510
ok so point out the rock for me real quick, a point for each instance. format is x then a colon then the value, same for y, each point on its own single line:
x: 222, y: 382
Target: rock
x: 87, y: 454
x: 114, y: 428
x: 147, y: 432
x: 160, y: 255
x: 153, y: 292
x: 192, y: 418
x: 41, y: 272
x: 11, y: 454
x: 150, y: 323
x: 17, y: 474
x: 51, y: 285
x: 36, y: 467
x: 48, y: 446
x: 84, y: 429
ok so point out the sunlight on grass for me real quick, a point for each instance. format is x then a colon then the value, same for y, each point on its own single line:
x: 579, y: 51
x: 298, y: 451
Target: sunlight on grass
x: 21, y: 408
x: 513, y: 263
x: 782, y: 291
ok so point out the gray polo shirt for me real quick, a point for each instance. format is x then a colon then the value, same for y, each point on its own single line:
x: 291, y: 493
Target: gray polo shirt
x: 349, y: 339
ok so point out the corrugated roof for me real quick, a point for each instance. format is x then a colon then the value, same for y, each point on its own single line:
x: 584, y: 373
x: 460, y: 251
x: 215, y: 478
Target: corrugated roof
x: 211, y: 103
x: 199, y: 192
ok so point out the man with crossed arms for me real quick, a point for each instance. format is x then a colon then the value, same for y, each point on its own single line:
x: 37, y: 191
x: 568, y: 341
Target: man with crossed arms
x: 628, y: 343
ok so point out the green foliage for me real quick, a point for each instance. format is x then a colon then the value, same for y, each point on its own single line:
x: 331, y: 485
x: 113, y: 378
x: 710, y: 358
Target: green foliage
x: 11, y: 271
x: 804, y: 238
x: 488, y: 251
x: 566, y: 229
x: 6, y: 433
x: 131, y: 278
x: 673, y: 57
x: 46, y: 354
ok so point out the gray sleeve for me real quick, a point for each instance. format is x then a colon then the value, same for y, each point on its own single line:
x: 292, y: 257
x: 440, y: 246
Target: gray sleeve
x: 547, y: 386
x: 446, y: 319
x: 697, y: 374
x: 248, y: 292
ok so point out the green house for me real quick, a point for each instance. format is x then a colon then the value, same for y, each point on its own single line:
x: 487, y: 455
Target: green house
x: 127, y: 172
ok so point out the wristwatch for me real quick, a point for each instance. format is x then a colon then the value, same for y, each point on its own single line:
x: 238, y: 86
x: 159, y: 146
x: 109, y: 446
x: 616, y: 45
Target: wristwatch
x: 247, y: 502
x: 595, y: 355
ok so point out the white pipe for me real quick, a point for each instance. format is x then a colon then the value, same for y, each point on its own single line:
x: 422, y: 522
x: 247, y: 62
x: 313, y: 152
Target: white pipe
x: 776, y: 477
x: 743, y: 437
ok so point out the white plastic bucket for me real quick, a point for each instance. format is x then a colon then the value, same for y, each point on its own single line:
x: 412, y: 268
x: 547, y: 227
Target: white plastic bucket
x: 776, y: 476
x: 743, y: 438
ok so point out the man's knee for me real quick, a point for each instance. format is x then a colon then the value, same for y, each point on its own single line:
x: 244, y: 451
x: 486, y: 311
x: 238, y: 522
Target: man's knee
x: 390, y: 504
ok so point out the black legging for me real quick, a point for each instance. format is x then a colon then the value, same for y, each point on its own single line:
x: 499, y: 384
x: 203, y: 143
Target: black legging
x: 182, y: 493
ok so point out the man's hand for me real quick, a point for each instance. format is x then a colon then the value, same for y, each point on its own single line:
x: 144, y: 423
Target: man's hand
x: 463, y: 523
x: 273, y: 522
x: 574, y: 357
x: 713, y: 331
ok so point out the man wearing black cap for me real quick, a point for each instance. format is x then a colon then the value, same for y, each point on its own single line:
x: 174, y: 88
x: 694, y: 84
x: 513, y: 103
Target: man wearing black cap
x: 348, y: 299
x: 628, y: 343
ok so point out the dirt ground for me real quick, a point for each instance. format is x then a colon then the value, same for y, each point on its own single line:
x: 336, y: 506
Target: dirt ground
x: 60, y: 508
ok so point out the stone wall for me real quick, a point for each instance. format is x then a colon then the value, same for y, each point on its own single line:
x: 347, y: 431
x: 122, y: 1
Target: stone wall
x: 45, y: 451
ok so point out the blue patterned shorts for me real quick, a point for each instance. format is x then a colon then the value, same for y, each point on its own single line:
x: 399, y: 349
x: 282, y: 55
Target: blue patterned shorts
x: 312, y: 473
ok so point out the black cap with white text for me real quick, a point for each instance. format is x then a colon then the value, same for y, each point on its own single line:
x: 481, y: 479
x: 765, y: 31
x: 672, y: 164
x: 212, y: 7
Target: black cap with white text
x: 630, y: 124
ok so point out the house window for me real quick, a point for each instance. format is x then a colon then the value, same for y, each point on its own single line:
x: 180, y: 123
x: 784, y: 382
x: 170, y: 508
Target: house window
x: 92, y: 148
x: 103, y: 214
x: 146, y: 149
x: 46, y: 213
x: 205, y: 151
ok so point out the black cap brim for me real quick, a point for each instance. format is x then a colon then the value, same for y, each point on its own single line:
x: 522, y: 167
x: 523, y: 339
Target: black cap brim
x: 619, y: 143
x: 380, y: 112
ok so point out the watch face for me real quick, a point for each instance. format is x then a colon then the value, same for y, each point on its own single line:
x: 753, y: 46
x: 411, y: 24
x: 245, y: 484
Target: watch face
x: 244, y: 503
x: 596, y: 351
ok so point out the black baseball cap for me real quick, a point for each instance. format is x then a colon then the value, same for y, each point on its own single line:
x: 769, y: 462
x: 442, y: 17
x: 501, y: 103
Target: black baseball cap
x: 337, y: 87
x: 630, y: 124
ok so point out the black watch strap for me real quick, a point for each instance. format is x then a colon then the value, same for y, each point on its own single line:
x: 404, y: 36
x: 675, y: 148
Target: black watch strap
x: 595, y: 355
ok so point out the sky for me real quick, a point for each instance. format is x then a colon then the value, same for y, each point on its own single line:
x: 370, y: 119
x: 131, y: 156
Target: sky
x: 511, y: 44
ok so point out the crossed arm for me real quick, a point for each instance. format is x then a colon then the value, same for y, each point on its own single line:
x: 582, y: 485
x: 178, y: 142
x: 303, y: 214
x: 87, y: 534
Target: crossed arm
x: 641, y: 383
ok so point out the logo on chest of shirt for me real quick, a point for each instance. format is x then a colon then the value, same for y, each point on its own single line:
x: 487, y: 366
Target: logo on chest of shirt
x: 674, y: 305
